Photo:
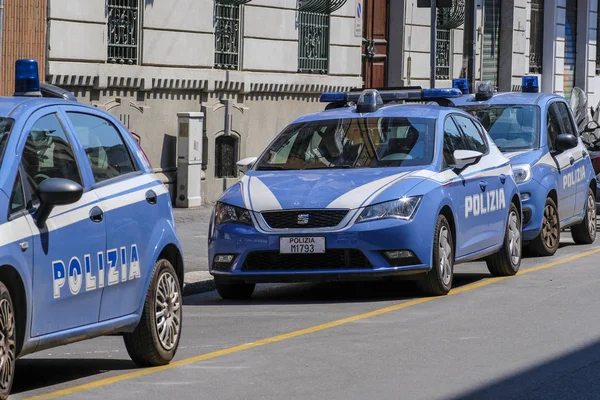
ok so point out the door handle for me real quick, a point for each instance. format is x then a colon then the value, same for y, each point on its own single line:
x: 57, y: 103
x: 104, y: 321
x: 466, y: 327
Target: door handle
x: 151, y: 197
x: 482, y: 185
x: 571, y: 160
x: 96, y: 214
x: 502, y: 178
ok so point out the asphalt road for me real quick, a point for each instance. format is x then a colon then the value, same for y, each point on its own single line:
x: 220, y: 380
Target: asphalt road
x: 535, y: 336
x: 192, y: 228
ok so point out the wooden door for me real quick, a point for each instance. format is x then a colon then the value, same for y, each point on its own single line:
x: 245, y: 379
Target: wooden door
x: 375, y: 43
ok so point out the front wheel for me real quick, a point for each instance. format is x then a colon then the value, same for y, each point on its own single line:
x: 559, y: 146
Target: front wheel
x: 438, y: 281
x: 546, y: 243
x: 7, y: 342
x: 585, y: 232
x: 154, y: 341
x: 507, y: 260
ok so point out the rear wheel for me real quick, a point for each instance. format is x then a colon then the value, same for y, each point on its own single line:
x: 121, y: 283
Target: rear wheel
x: 546, y: 243
x: 438, y: 281
x: 235, y: 290
x: 7, y: 342
x: 585, y: 232
x: 507, y: 260
x: 154, y: 341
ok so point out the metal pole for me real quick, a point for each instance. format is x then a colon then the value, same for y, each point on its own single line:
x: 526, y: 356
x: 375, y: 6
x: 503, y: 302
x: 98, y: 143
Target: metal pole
x: 433, y: 43
x: 470, y: 41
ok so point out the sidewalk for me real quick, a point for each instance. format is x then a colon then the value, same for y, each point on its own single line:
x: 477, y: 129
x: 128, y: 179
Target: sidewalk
x: 192, y: 228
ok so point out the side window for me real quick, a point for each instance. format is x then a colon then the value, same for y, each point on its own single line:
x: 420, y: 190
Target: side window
x: 472, y: 135
x: 105, y: 149
x: 453, y: 140
x: 17, y: 198
x: 552, y: 126
x: 48, y: 153
x: 565, y: 117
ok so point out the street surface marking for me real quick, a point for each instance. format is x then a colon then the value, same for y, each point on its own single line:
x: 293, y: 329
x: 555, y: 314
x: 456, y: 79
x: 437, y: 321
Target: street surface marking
x: 290, y: 335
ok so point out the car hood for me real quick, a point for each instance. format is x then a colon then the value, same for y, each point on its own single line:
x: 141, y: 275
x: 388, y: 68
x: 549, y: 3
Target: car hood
x: 530, y: 157
x: 302, y: 189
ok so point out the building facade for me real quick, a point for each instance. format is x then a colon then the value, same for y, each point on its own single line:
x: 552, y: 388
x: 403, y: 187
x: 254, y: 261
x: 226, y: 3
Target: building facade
x: 251, y: 66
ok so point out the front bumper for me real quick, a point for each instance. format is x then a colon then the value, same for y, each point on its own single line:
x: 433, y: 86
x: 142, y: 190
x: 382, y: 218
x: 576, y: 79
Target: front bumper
x: 533, y: 200
x: 354, y: 253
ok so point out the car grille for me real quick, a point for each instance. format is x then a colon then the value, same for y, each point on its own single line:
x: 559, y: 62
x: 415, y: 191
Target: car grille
x: 304, y: 218
x: 331, y: 259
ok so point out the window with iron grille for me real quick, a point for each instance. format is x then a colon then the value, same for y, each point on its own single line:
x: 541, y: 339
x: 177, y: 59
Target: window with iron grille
x: 226, y: 155
x: 123, y: 31
x: 313, y: 42
x: 442, y: 54
x: 227, y: 35
x: 536, y: 36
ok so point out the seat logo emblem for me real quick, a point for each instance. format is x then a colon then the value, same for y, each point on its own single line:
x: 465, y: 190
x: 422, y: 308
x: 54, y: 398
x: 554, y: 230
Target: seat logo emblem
x: 302, y: 219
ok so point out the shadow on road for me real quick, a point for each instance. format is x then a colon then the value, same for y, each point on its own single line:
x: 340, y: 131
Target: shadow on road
x: 334, y: 292
x: 36, y: 373
x: 571, y: 376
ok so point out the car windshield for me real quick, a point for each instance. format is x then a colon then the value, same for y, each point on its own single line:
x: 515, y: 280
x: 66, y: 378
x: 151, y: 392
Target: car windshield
x: 511, y: 127
x: 352, y: 143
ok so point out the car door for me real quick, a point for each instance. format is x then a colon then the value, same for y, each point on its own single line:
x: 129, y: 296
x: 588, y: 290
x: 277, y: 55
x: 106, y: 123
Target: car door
x: 492, y: 217
x: 131, y: 209
x: 564, y: 161
x: 464, y: 194
x: 69, y: 248
x: 577, y: 179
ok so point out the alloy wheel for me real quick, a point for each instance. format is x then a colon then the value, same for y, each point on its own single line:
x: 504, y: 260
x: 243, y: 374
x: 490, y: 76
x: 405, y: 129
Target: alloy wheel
x: 168, y: 310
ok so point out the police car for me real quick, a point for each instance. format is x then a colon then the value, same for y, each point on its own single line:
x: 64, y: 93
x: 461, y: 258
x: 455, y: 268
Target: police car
x: 368, y: 190
x: 88, y: 244
x: 552, y: 166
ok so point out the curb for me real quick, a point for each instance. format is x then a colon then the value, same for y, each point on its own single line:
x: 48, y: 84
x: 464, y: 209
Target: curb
x: 202, y: 286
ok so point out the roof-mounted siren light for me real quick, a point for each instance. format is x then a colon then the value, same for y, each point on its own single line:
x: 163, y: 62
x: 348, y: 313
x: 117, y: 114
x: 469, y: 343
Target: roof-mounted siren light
x: 462, y: 84
x: 483, y: 90
x: 27, y: 78
x: 529, y: 84
x: 369, y: 101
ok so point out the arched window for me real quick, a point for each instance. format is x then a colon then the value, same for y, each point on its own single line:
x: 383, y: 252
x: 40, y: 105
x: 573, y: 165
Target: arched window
x: 226, y: 155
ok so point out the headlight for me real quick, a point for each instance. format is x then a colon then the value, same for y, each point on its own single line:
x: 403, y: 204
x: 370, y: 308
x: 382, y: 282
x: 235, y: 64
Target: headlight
x: 403, y: 208
x: 521, y: 173
x: 226, y: 213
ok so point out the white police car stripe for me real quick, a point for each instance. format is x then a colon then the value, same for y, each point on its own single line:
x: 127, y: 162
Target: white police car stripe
x: 361, y: 195
x: 260, y: 196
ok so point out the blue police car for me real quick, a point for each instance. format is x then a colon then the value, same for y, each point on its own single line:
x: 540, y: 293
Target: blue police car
x: 87, y: 245
x: 552, y: 167
x: 369, y: 189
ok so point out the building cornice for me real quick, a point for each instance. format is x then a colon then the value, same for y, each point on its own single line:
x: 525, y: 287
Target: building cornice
x: 147, y: 78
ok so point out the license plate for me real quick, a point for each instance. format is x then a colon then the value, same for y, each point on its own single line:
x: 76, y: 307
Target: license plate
x: 301, y: 245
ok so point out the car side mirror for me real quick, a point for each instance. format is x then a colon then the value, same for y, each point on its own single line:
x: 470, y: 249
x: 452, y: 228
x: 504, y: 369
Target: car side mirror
x: 565, y: 141
x: 464, y: 158
x: 54, y: 192
x: 245, y: 164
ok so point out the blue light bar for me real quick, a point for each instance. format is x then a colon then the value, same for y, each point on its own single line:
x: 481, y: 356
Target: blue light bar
x: 445, y: 93
x: 462, y: 84
x: 529, y: 84
x: 330, y: 97
x: 27, y: 78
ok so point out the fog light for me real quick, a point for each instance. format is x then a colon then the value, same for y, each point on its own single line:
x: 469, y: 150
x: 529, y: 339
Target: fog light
x: 401, y: 258
x: 224, y: 258
x: 222, y: 262
x: 396, y: 254
x: 525, y: 196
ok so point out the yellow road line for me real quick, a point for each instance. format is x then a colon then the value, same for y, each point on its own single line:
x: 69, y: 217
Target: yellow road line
x: 290, y: 335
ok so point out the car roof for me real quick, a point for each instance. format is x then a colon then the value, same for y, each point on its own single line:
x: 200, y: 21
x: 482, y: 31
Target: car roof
x: 11, y: 106
x: 390, y: 110
x: 506, y: 98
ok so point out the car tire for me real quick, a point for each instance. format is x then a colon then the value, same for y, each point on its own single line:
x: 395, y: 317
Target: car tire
x: 438, y: 281
x: 546, y: 243
x: 507, y: 260
x: 585, y: 232
x: 155, y: 340
x: 234, y: 290
x: 8, y: 342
